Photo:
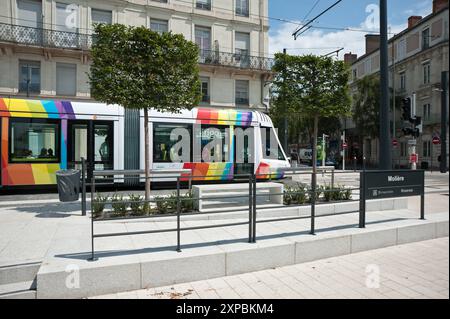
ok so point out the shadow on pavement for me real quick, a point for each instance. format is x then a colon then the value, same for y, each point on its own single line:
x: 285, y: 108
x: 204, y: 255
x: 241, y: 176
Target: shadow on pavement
x: 113, y: 253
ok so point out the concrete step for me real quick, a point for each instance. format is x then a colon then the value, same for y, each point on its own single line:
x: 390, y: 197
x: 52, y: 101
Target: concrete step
x: 155, y: 269
x: 212, y: 207
x: 18, y: 290
x: 24, y: 272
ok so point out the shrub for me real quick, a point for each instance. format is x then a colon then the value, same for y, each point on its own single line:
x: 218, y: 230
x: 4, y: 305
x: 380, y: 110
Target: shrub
x: 118, y: 206
x: 98, y: 206
x: 295, y: 194
x: 187, y: 202
x: 138, y: 208
x: 339, y: 193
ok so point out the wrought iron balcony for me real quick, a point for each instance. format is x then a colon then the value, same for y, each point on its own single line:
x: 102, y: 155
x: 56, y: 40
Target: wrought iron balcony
x: 44, y: 37
x: 79, y: 41
x: 236, y: 60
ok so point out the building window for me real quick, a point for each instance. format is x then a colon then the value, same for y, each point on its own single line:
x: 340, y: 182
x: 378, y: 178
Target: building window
x: 214, y: 144
x: 34, y: 140
x: 205, y: 89
x: 30, y: 76
x: 162, y: 143
x: 101, y: 16
x: 403, y: 81
x: 66, y: 79
x: 242, y: 8
x: 426, y: 111
x: 354, y: 75
x: 368, y: 66
x: 242, y: 92
x: 401, y: 49
x: 159, y: 26
x: 426, y: 73
x: 29, y: 13
x: 242, y: 48
x: 66, y: 18
x: 203, y: 4
x: 203, y: 38
x: 425, y: 39
x: 271, y: 147
x: 426, y: 151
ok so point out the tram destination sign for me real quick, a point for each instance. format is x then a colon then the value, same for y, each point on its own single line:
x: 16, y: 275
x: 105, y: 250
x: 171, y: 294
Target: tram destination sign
x: 388, y: 184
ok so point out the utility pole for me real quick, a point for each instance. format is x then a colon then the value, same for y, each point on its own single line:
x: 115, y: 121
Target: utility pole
x: 413, y: 146
x: 286, y: 146
x: 444, y: 122
x: 343, y: 150
x: 385, y: 155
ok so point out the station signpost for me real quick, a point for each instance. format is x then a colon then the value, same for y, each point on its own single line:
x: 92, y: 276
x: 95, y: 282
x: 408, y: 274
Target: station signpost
x: 390, y: 184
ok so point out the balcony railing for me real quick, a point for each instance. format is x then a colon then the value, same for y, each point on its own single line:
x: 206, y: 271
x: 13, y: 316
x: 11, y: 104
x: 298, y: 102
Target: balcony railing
x: 44, y: 37
x: 235, y: 60
x: 78, y: 41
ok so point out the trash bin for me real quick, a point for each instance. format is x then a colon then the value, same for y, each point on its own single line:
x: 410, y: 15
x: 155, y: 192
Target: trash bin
x: 68, y: 182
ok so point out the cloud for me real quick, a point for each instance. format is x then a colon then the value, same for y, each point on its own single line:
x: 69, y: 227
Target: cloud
x: 315, y: 41
x: 322, y: 41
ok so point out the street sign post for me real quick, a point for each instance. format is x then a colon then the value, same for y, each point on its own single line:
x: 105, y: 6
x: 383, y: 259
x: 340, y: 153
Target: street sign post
x: 390, y: 184
x: 436, y: 140
x: 394, y: 143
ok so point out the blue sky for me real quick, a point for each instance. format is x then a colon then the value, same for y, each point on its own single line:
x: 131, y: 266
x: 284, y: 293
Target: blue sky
x: 354, y: 14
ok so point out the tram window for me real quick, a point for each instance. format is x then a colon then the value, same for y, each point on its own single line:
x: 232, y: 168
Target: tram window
x: 163, y: 145
x: 34, y: 141
x: 214, y: 153
x: 271, y: 150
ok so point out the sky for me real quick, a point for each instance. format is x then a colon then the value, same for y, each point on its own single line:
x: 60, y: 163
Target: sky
x: 361, y: 15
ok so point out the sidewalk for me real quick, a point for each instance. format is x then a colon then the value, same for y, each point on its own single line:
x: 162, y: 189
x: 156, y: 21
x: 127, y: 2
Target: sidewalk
x: 418, y: 270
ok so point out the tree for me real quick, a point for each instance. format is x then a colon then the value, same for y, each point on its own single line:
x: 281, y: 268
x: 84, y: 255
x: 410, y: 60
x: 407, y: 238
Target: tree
x: 314, y: 86
x: 142, y: 69
x: 366, y: 109
x: 366, y: 115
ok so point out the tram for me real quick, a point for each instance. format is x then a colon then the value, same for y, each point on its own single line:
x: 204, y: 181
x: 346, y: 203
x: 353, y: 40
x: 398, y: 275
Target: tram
x: 40, y: 137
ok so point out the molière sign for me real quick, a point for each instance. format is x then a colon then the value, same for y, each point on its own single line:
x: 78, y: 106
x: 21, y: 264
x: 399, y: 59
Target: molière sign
x: 388, y: 184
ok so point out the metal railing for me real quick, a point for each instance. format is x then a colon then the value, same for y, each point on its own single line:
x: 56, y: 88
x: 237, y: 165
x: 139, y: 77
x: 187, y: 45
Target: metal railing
x: 79, y: 41
x: 44, y: 37
x: 236, y: 60
x: 186, y: 176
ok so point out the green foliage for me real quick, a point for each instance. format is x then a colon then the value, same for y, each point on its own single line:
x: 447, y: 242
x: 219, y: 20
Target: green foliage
x: 166, y: 204
x: 187, y: 202
x: 366, y: 114
x: 139, y: 68
x: 138, y: 208
x: 98, y: 206
x: 338, y: 193
x: 311, y: 85
x: 119, y: 206
x: 295, y: 195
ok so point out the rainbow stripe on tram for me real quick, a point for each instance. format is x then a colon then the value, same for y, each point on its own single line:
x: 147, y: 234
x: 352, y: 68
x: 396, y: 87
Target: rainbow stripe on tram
x: 33, y: 173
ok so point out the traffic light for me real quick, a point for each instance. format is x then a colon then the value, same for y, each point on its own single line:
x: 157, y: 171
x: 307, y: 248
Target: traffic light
x: 406, y: 108
x: 408, y: 131
x: 418, y: 123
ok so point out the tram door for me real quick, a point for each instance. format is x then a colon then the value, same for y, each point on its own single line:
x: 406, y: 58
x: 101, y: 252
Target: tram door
x: 92, y: 140
x: 243, y: 156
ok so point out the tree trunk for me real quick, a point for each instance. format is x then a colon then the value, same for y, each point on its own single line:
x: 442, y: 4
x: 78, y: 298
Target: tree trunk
x: 147, y: 156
